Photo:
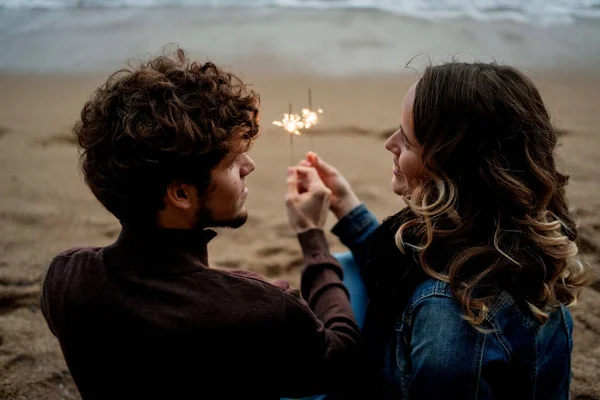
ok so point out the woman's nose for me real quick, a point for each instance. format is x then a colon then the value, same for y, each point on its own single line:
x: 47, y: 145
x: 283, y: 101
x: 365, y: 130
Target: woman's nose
x: 392, y: 143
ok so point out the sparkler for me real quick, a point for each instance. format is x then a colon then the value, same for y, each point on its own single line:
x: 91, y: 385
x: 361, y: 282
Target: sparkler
x: 310, y: 117
x: 291, y: 123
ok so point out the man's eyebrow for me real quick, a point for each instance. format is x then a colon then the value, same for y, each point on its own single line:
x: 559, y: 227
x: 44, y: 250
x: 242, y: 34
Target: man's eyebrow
x: 231, y: 157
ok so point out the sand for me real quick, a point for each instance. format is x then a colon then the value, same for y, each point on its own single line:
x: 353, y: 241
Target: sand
x: 45, y: 206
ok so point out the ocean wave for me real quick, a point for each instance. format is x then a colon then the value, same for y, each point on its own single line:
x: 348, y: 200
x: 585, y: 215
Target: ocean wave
x: 545, y: 11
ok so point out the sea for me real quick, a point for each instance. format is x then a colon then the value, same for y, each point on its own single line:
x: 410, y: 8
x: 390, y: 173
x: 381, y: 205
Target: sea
x: 330, y: 37
x: 533, y: 11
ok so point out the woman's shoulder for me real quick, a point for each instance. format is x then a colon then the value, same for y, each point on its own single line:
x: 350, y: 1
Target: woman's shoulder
x: 432, y: 299
x: 505, y: 314
x: 432, y: 288
x: 438, y: 295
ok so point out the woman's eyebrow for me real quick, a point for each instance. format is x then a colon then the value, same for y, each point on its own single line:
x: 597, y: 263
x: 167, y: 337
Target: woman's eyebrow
x: 404, y: 134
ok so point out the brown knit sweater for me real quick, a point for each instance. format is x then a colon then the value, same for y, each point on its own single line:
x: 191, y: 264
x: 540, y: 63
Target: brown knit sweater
x: 146, y: 318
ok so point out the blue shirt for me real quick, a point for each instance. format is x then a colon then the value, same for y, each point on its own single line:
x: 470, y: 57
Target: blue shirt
x: 436, y: 353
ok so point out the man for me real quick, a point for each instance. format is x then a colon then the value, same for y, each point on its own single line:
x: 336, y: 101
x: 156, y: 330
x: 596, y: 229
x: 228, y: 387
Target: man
x: 164, y: 148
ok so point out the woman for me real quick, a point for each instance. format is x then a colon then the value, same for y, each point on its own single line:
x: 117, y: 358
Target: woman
x: 469, y: 284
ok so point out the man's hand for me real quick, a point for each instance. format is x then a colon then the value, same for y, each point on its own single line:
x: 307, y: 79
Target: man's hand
x: 343, y: 199
x: 307, y: 199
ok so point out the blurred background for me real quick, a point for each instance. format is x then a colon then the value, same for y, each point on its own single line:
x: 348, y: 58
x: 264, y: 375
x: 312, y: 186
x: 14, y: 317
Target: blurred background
x: 352, y: 54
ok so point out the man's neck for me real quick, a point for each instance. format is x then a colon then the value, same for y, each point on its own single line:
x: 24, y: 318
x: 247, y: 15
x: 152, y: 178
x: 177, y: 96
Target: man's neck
x: 161, y: 248
x: 167, y: 220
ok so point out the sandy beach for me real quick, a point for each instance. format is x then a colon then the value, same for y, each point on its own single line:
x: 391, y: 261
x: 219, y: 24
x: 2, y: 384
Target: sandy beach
x: 354, y: 64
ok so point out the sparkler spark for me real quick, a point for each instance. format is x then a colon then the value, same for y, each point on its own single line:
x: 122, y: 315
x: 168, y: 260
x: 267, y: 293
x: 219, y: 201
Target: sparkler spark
x: 310, y: 118
x: 291, y: 123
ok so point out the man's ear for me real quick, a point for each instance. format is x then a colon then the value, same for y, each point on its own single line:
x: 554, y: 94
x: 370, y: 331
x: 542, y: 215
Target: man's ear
x: 180, y: 195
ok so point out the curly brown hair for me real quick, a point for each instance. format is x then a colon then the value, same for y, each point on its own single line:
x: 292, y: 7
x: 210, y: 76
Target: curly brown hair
x: 168, y: 119
x: 492, y: 214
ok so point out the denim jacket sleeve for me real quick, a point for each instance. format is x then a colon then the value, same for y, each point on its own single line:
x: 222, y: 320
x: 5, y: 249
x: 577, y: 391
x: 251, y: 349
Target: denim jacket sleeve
x: 445, y: 349
x: 354, y: 230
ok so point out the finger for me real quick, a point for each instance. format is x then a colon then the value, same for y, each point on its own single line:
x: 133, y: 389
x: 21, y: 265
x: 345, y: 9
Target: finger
x: 310, y: 157
x: 302, y: 161
x: 305, y: 163
x: 310, y: 176
x: 292, y: 182
x: 302, y: 184
x: 321, y: 165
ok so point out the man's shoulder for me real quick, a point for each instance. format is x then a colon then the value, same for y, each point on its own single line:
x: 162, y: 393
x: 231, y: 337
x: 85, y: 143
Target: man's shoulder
x: 249, y: 280
x: 250, y: 286
x: 259, y: 279
x: 77, y: 252
x: 60, y: 272
x: 244, y: 299
x: 74, y: 256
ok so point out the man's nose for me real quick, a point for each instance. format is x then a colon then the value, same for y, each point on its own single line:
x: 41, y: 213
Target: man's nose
x: 251, y: 166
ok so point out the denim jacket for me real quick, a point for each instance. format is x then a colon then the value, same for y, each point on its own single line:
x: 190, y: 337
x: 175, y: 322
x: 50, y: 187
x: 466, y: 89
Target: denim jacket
x: 435, y: 353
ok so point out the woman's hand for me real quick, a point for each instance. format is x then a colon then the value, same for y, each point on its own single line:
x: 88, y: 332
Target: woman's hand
x: 307, y: 199
x: 343, y: 198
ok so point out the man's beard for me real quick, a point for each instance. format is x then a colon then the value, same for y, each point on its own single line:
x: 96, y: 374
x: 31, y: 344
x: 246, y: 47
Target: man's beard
x: 205, y: 220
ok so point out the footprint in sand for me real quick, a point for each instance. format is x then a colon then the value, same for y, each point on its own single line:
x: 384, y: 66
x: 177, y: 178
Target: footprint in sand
x: 22, y: 360
x: 11, y: 245
x: 270, y: 251
x: 563, y: 132
x: 342, y: 130
x: 228, y: 263
x: 108, y: 227
x: 283, y: 230
x: 4, y: 131
x: 17, y: 294
x: 387, y: 133
x: 58, y: 139
x: 111, y: 233
x: 275, y: 250
x: 28, y: 218
x: 355, y: 130
x: 294, y: 264
x: 273, y: 270
x: 587, y: 240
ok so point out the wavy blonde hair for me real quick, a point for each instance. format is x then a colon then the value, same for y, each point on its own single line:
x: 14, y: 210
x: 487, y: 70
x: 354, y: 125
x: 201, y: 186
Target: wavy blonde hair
x: 491, y: 214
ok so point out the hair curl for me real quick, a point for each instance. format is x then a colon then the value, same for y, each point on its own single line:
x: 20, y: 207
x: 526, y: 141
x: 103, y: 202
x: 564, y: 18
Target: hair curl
x: 491, y: 213
x: 168, y: 119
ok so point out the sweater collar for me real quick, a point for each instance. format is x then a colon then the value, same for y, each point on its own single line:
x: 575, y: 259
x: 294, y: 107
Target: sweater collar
x: 157, y: 250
